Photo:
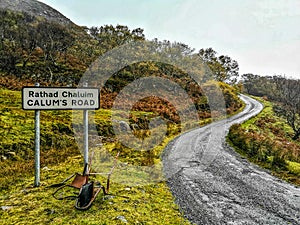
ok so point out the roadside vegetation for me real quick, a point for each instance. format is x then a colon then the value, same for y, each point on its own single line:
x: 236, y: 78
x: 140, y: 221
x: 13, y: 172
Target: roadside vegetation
x: 137, y: 205
x: 271, y: 139
x: 61, y: 157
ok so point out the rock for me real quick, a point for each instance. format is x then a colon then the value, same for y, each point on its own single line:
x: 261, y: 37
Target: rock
x: 122, y: 218
x: 124, y: 126
x: 6, y: 208
x: 121, y: 126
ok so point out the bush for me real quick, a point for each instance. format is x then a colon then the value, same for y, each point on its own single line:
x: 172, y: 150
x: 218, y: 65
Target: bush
x: 257, y: 147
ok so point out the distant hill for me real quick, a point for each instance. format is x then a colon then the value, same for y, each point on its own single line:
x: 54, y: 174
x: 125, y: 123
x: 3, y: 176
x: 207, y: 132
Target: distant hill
x: 35, y: 8
x: 39, y: 44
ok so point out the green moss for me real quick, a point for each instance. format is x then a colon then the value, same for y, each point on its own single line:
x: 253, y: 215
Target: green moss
x: 150, y: 204
x: 294, y: 167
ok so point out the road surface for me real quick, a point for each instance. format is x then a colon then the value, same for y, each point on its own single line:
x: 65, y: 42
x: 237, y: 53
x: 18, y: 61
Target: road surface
x: 214, y: 185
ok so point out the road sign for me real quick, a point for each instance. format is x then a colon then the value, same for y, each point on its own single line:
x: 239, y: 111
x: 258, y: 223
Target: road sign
x: 58, y: 98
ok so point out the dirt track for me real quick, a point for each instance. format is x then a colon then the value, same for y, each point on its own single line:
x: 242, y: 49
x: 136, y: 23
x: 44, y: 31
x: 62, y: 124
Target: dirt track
x: 214, y: 185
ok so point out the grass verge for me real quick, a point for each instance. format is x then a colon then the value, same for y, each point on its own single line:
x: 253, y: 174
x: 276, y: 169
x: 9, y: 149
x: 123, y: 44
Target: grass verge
x: 151, y: 204
x: 267, y: 141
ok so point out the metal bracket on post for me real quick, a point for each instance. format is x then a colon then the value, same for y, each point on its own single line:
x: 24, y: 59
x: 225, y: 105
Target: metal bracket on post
x: 37, y: 146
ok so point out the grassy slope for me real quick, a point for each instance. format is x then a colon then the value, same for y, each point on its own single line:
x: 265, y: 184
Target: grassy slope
x: 60, y: 157
x: 266, y: 140
x: 17, y: 138
x: 151, y: 204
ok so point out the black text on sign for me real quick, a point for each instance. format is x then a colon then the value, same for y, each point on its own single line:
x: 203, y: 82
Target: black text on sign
x: 49, y: 98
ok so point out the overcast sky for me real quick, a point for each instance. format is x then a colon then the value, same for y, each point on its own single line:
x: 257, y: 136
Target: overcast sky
x: 262, y: 35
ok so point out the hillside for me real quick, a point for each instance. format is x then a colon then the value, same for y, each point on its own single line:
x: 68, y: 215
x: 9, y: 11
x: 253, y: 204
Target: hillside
x: 267, y: 140
x: 38, y: 44
x: 35, y: 8
x: 37, y: 50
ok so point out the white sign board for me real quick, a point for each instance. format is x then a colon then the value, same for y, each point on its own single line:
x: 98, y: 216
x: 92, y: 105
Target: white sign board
x: 49, y: 98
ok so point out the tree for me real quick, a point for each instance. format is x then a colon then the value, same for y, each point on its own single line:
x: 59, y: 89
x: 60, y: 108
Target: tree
x: 10, y: 50
x: 288, y: 95
x: 110, y: 37
x: 53, y: 39
x: 254, y: 84
x: 223, y: 67
x: 28, y: 43
x: 284, y: 92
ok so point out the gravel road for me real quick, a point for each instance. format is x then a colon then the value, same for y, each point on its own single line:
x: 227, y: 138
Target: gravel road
x: 214, y: 185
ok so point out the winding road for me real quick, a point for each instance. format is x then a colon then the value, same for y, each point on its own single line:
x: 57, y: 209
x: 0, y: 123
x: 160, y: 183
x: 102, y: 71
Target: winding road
x: 214, y: 185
